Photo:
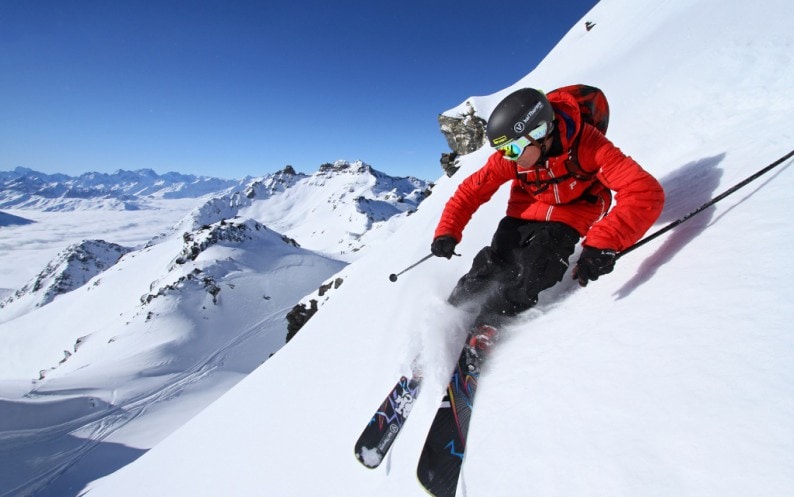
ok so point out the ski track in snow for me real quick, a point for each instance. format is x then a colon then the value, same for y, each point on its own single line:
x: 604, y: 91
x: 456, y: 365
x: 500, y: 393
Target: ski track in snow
x: 93, y: 429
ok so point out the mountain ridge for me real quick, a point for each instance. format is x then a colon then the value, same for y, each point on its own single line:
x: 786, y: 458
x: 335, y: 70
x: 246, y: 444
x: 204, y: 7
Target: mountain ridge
x: 24, y: 188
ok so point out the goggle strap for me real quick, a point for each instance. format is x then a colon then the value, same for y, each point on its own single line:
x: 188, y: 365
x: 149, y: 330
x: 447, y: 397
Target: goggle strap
x: 535, y: 142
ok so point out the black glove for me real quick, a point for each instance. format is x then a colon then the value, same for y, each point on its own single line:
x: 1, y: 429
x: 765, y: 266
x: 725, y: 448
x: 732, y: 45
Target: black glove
x: 444, y: 246
x: 594, y: 263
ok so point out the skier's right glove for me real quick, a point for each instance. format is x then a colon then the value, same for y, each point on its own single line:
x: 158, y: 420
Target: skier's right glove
x: 594, y: 263
x: 443, y: 246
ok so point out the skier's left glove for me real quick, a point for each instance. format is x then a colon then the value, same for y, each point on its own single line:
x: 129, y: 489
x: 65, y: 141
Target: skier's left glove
x: 443, y: 246
x: 594, y: 263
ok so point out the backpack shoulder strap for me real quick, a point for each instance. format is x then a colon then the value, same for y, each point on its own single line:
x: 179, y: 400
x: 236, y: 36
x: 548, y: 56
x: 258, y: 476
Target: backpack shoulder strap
x: 573, y: 165
x: 594, y: 110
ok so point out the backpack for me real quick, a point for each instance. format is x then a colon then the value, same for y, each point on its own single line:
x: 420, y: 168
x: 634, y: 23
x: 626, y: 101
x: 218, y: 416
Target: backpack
x: 594, y: 109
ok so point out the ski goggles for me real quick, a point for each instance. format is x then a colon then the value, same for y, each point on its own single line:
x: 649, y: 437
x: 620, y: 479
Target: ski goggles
x: 514, y: 149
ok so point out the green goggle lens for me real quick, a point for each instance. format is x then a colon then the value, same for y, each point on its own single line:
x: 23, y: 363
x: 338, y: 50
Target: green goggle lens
x: 515, y: 148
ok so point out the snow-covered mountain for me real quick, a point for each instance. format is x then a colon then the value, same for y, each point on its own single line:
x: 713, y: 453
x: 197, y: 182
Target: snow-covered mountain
x: 24, y: 188
x: 670, y: 376
x: 340, y: 209
x: 72, y: 268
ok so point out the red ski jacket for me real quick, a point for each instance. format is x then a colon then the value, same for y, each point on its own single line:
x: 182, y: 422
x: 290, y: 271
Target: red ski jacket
x: 549, y: 193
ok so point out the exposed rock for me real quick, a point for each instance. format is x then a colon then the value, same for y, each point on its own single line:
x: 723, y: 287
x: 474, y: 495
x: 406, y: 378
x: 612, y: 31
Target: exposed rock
x: 299, y: 316
x: 301, y: 313
x: 449, y: 163
x: 465, y: 132
x: 207, y: 236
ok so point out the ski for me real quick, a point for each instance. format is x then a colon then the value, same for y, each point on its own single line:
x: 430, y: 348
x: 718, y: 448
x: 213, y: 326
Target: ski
x: 388, y: 420
x: 442, y: 456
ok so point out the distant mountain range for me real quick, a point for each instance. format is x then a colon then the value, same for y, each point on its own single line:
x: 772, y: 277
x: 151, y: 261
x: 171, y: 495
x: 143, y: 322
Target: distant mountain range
x: 25, y: 188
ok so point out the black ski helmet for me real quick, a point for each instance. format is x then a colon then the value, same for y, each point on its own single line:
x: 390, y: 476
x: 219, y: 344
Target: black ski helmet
x: 518, y: 114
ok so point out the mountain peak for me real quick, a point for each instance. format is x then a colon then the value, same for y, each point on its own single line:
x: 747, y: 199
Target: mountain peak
x: 72, y: 268
x: 342, y: 166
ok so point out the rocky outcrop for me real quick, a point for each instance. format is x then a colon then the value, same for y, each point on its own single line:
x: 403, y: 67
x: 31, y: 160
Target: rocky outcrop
x: 206, y: 236
x: 464, y: 132
x: 303, y: 312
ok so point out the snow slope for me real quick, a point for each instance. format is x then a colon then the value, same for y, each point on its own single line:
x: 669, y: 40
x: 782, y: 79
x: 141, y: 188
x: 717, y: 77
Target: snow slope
x: 671, y: 376
x: 143, y: 338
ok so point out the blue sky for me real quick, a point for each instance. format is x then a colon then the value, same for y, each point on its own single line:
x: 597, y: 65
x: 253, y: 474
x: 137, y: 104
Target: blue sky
x: 235, y: 88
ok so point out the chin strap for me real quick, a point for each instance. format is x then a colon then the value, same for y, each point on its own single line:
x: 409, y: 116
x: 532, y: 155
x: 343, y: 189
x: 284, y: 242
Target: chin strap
x: 543, y: 154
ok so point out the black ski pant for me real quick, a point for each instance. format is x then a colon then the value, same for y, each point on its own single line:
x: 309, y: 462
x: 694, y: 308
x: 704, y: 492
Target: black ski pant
x: 524, y: 258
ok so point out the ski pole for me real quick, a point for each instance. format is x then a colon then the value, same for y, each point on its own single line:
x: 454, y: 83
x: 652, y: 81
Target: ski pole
x: 393, y: 277
x: 707, y: 204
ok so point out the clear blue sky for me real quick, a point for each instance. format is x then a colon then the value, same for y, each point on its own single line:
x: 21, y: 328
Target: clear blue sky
x: 233, y: 88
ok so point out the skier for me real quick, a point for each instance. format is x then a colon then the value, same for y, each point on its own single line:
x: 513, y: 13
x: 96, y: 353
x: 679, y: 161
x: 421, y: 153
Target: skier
x: 553, y: 201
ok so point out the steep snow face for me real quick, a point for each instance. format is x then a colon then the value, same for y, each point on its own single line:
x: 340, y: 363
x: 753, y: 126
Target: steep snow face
x: 670, y: 376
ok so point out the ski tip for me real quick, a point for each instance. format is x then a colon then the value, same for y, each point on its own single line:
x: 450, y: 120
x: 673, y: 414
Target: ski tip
x: 369, y: 458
